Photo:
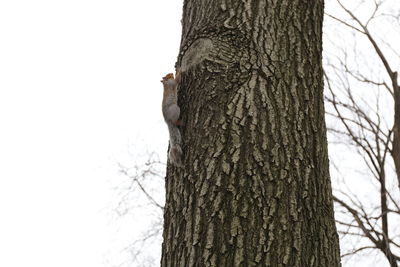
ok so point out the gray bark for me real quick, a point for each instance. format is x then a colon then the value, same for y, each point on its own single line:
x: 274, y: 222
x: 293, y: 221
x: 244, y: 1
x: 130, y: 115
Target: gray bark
x: 255, y: 188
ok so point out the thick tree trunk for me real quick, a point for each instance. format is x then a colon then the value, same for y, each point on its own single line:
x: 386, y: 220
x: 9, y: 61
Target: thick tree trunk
x: 255, y: 189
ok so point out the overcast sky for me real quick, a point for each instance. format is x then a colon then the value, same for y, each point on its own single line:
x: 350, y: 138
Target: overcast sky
x: 79, y: 91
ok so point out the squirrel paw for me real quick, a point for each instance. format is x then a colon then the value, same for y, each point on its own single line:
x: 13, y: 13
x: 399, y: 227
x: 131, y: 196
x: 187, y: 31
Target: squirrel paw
x: 177, y: 123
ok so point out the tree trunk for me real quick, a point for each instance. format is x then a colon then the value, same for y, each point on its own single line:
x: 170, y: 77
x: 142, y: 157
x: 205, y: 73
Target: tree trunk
x: 255, y: 188
x: 396, y: 125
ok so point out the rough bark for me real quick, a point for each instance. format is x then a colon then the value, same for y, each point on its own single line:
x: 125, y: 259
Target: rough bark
x: 255, y: 187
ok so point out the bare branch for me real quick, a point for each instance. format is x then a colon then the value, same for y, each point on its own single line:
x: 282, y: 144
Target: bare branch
x: 356, y: 251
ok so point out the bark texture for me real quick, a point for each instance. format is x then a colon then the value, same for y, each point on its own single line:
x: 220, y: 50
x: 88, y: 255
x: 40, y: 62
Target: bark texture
x: 255, y: 187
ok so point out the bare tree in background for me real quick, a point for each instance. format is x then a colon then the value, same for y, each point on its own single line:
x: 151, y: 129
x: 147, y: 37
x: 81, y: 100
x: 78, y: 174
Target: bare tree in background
x: 142, y: 189
x: 363, y: 99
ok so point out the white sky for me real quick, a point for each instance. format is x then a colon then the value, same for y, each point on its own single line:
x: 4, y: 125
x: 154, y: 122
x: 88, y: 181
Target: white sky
x: 79, y: 89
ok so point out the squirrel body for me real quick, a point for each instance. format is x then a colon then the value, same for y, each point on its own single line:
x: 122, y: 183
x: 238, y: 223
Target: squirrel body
x: 171, y: 113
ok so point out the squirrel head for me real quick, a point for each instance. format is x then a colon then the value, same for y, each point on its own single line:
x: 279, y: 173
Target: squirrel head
x: 167, y: 77
x: 168, y: 81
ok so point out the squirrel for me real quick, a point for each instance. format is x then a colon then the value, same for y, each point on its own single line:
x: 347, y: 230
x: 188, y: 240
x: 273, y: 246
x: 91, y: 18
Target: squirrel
x: 171, y: 113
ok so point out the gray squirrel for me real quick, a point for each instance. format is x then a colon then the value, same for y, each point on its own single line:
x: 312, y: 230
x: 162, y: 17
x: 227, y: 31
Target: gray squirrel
x: 171, y: 112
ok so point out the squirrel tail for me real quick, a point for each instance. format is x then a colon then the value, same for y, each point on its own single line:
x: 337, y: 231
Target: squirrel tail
x: 175, y: 150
